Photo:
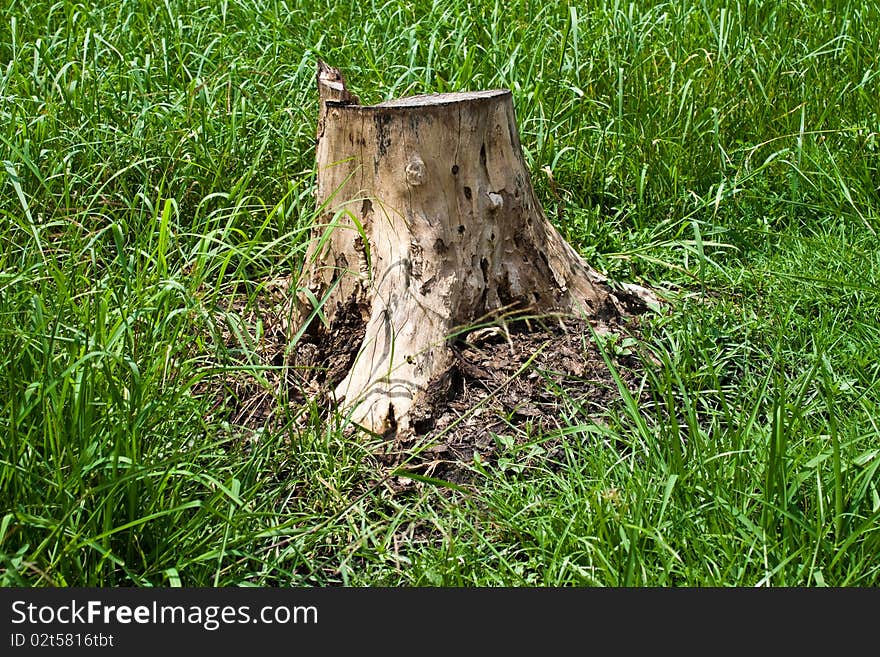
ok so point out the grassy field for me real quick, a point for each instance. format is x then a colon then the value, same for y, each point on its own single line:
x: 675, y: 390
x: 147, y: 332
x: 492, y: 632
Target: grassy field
x: 157, y: 160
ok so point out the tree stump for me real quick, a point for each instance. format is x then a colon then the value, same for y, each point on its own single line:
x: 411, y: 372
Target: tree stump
x: 429, y: 222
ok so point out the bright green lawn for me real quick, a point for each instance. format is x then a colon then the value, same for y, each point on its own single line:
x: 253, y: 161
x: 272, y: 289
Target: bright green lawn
x: 157, y: 156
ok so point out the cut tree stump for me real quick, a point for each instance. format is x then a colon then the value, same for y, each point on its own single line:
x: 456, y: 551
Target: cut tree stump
x: 428, y: 223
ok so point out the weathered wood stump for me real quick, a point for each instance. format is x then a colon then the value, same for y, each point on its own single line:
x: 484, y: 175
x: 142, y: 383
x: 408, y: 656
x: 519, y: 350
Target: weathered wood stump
x: 429, y: 222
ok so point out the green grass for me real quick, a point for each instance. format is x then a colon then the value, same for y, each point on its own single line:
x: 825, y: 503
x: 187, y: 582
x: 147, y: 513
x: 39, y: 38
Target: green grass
x: 157, y: 158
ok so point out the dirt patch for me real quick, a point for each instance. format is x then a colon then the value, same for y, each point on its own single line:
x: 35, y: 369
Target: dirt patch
x: 507, y: 383
x: 248, y: 346
x: 513, y: 384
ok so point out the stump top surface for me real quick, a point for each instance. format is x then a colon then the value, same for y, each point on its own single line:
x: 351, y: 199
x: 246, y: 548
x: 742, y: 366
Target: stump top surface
x: 427, y: 100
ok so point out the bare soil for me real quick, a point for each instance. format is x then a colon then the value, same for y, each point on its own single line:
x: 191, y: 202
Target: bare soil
x: 509, y: 382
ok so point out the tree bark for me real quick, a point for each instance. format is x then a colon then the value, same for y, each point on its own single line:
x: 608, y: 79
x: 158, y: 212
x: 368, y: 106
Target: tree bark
x: 429, y: 222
